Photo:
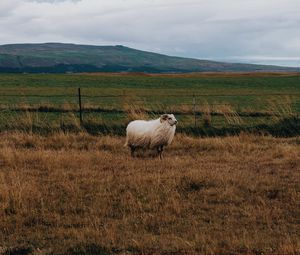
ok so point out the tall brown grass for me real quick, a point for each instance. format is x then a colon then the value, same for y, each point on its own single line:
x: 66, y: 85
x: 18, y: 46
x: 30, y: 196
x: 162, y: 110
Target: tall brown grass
x: 206, y: 109
x: 230, y: 115
x: 82, y: 194
x: 132, y: 110
x: 281, y: 107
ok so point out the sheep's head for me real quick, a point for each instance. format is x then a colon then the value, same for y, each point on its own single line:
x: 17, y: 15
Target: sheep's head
x: 168, y: 118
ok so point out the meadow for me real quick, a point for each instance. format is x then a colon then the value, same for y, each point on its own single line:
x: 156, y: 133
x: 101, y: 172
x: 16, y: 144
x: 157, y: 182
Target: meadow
x: 205, y: 104
x: 228, y: 184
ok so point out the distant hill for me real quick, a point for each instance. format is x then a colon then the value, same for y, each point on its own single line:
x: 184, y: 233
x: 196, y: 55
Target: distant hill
x: 62, y: 58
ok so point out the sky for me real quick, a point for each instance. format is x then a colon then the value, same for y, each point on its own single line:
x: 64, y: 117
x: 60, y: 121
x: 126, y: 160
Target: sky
x: 248, y: 31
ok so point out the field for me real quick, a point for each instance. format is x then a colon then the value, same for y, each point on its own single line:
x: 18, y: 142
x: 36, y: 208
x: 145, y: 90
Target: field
x: 205, y: 104
x: 83, y: 194
x: 228, y: 184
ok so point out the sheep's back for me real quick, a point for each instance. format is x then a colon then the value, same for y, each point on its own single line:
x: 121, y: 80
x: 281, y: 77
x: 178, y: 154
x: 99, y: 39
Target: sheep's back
x: 139, y: 127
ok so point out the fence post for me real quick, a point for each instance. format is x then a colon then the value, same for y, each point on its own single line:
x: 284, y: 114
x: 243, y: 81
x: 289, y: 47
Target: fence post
x: 194, y: 110
x: 80, y: 108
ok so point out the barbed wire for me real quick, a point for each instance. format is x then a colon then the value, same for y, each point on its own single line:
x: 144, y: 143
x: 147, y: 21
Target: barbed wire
x: 151, y: 95
x: 147, y: 101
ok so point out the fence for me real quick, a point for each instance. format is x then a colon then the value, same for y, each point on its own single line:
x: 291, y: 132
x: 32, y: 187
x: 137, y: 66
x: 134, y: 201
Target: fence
x: 232, y: 107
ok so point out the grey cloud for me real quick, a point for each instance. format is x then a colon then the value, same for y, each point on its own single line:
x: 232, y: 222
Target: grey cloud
x: 53, y: 1
x: 230, y: 30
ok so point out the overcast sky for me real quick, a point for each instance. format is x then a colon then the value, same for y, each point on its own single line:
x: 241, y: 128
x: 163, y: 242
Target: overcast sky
x: 255, y: 31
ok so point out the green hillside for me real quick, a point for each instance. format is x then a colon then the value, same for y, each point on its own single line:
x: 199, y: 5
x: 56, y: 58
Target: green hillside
x: 61, y: 58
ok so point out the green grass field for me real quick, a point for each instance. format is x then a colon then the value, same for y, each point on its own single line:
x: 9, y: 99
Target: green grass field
x: 221, y: 100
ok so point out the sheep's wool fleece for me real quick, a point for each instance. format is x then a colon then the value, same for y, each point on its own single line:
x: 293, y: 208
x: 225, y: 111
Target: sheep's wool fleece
x: 149, y: 134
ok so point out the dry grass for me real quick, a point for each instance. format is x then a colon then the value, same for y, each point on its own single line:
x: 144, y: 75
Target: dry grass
x: 81, y: 194
x: 231, y: 116
x: 281, y: 108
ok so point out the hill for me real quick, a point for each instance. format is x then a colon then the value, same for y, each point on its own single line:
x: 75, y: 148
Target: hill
x: 61, y: 58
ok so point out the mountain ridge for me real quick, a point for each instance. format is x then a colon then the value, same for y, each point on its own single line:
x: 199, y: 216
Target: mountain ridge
x: 67, y: 57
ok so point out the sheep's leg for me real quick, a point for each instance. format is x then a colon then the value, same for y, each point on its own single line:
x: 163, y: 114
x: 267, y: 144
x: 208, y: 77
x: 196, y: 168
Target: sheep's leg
x: 160, y: 151
x: 132, y: 148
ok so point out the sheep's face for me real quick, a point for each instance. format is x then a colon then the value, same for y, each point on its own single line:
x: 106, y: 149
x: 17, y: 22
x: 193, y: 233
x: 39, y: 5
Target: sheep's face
x: 168, y: 118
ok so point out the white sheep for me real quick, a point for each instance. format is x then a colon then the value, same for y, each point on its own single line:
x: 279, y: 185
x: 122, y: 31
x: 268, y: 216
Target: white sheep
x: 152, y: 134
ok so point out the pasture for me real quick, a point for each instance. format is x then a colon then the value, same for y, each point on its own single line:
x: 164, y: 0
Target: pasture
x: 83, y: 194
x: 205, y: 104
x: 228, y: 184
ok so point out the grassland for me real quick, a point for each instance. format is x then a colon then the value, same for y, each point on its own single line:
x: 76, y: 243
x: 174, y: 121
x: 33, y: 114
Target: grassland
x: 71, y: 188
x: 224, y: 103
x: 83, y: 194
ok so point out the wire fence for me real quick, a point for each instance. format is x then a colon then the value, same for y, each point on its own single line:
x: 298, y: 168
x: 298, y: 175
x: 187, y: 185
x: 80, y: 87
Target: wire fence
x: 198, y: 113
x: 257, y: 104
x: 168, y: 95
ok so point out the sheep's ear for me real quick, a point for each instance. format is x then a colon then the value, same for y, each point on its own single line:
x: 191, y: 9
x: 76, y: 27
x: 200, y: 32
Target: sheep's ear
x: 163, y: 117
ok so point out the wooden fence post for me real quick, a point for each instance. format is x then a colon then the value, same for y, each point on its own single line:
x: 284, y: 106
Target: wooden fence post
x: 194, y: 110
x: 80, y: 108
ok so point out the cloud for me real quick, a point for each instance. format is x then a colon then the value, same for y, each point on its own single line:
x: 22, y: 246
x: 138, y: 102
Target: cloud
x: 53, y: 1
x: 215, y: 29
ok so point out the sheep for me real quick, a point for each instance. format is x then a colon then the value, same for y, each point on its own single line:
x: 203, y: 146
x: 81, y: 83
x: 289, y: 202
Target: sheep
x: 152, y: 134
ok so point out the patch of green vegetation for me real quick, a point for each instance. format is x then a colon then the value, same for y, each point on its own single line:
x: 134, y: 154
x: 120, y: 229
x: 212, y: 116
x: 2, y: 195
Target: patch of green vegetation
x: 239, y: 102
